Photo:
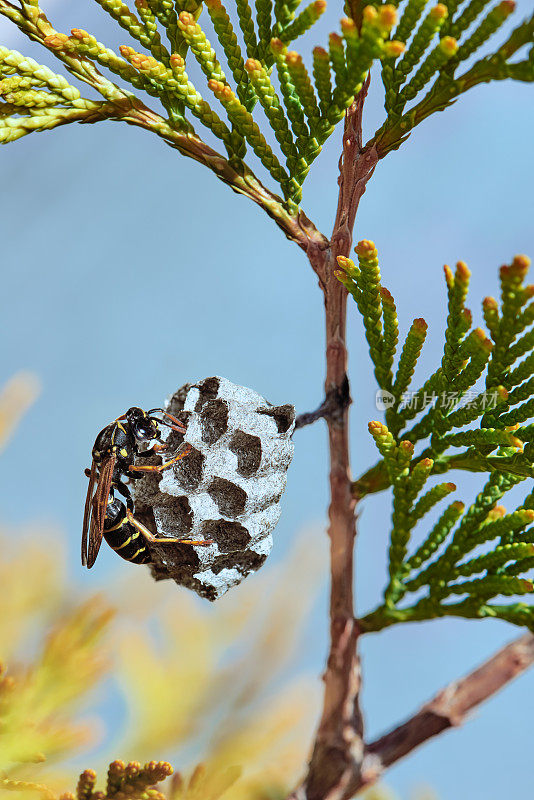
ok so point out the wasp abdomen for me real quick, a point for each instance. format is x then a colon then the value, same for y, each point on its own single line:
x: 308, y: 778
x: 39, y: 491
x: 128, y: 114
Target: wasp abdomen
x: 122, y: 536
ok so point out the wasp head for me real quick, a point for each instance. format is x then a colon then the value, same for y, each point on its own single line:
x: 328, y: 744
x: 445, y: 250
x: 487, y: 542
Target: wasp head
x: 143, y: 427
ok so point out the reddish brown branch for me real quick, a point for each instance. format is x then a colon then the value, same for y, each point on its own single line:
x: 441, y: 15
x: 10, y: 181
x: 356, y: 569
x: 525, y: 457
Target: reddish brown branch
x: 338, y: 749
x: 450, y: 707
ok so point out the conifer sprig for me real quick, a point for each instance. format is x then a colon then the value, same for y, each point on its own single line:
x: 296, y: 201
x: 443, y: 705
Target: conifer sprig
x: 322, y: 78
x: 448, y: 562
x: 302, y: 107
x: 450, y: 554
x: 246, y: 23
x: 376, y: 307
x: 307, y: 145
x: 228, y: 39
x: 244, y: 123
x: 450, y: 39
x: 305, y: 20
x: 268, y: 98
x: 130, y: 781
x: 448, y: 398
x: 302, y: 115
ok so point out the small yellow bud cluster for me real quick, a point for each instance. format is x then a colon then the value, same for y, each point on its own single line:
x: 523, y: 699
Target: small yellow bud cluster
x: 59, y: 41
x: 394, y: 48
x: 370, y: 15
x: 148, y: 65
x: 449, y: 46
x: 335, y: 41
x: 348, y: 28
x: 253, y: 66
x: 278, y: 47
x: 186, y: 20
x: 366, y: 249
x: 439, y: 12
x: 385, y: 19
x: 221, y: 91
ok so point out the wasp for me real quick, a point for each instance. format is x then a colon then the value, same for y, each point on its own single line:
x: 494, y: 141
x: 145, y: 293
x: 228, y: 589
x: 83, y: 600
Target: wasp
x: 113, y: 464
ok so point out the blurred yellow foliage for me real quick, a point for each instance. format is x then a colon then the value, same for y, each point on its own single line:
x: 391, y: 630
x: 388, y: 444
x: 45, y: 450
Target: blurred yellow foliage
x: 17, y: 395
x: 381, y: 792
x: 208, y: 683
x: 205, y: 686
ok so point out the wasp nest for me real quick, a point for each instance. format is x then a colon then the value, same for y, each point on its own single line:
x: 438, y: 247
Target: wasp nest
x: 227, y: 489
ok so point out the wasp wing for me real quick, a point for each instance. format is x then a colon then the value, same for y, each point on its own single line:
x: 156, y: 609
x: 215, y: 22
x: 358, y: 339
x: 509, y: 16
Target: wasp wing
x: 96, y: 511
x: 87, y: 512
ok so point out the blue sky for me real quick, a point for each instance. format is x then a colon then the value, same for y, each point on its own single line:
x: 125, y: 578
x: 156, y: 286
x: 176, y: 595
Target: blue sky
x: 103, y: 226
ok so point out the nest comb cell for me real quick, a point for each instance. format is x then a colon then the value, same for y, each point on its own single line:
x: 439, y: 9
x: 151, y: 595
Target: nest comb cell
x: 227, y: 489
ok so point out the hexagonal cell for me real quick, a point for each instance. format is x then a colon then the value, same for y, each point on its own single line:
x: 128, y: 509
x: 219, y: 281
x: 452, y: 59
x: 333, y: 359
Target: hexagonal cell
x: 248, y: 451
x: 208, y: 390
x: 182, y: 516
x: 177, y: 401
x: 227, y: 535
x: 245, y: 562
x: 213, y: 420
x: 189, y: 470
x: 230, y: 498
x: 284, y: 416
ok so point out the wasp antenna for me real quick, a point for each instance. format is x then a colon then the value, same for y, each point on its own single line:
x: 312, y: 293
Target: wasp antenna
x: 173, y: 419
x: 180, y: 429
x: 176, y: 422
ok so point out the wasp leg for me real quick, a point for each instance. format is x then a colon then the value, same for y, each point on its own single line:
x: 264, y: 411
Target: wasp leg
x: 160, y: 467
x: 156, y: 448
x: 161, y: 539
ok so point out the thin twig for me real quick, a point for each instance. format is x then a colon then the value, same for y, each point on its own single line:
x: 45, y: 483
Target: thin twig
x: 332, y: 407
x: 449, y: 708
x: 338, y: 749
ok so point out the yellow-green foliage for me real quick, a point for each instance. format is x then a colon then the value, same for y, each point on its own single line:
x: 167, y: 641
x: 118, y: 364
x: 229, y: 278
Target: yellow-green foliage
x: 450, y: 562
x: 301, y: 110
x: 181, y: 667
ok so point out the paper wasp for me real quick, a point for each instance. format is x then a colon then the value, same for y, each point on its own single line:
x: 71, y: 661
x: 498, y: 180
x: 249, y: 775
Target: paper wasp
x: 113, y: 463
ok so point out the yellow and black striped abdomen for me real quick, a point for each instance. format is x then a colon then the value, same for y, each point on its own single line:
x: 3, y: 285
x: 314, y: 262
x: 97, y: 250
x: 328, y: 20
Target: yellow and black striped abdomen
x: 124, y: 538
